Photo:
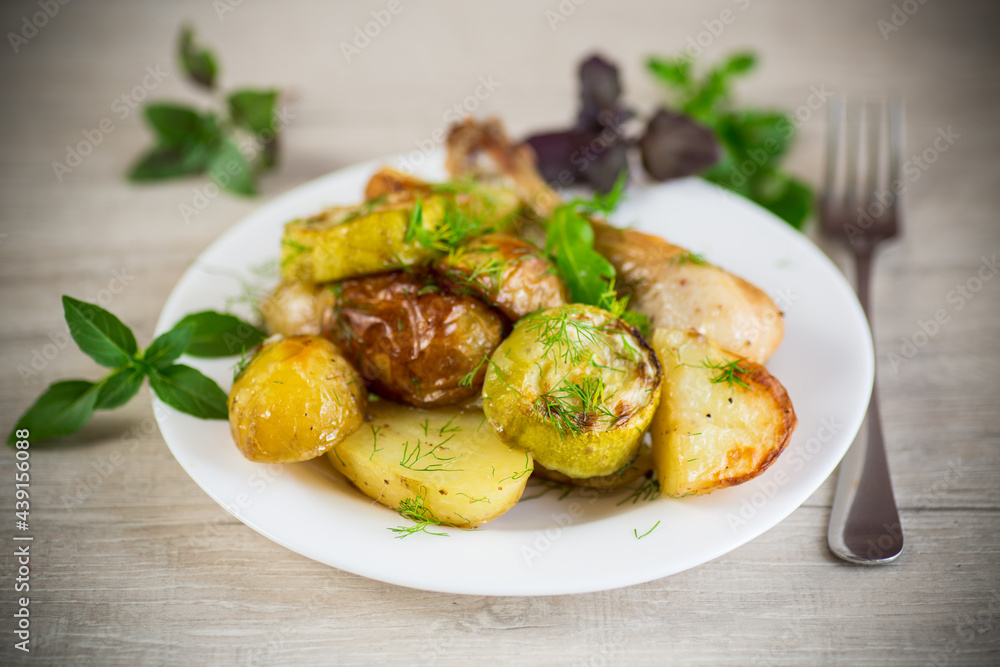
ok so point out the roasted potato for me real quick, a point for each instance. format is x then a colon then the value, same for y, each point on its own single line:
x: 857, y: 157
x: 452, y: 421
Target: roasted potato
x: 508, y: 273
x: 296, y: 308
x: 575, y: 387
x: 722, y: 419
x: 679, y: 290
x: 441, y: 466
x: 413, y: 341
x: 296, y: 399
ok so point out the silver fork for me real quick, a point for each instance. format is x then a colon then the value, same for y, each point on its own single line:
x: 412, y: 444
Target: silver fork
x: 864, y: 522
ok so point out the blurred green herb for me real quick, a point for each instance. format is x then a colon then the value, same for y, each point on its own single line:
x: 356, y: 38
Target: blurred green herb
x: 753, y: 140
x: 232, y: 145
x: 65, y: 407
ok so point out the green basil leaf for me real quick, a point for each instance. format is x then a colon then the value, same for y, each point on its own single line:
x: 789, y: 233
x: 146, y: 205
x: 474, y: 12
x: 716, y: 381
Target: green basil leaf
x: 789, y: 199
x: 62, y: 409
x: 254, y: 109
x: 187, y: 390
x: 169, y: 346
x: 118, y: 388
x: 220, y: 335
x: 100, y: 335
x: 739, y: 63
x: 164, y: 162
x: 674, y: 73
x: 197, y: 63
x: 231, y: 171
x: 570, y: 241
x: 174, y: 125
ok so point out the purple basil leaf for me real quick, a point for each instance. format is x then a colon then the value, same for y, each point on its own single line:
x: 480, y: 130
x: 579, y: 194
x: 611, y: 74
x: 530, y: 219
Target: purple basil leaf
x: 600, y: 89
x: 602, y: 164
x: 558, y: 155
x: 599, y: 84
x: 674, y: 146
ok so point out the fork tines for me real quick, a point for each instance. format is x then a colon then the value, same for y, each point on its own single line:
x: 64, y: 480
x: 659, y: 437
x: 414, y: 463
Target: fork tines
x: 854, y: 192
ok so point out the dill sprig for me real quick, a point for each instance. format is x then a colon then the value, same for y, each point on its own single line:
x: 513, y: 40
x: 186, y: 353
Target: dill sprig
x: 639, y: 537
x: 415, y: 457
x: 569, y: 406
x: 422, y: 518
x: 565, y: 337
x: 647, y: 489
x: 689, y: 258
x: 728, y: 372
x: 457, y: 224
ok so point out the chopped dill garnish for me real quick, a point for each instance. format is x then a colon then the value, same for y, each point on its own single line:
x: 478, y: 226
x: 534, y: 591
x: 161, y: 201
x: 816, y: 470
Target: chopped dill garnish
x: 728, y: 372
x: 242, y: 364
x: 528, y: 469
x: 689, y: 258
x: 422, y: 518
x: 570, y: 405
x: 648, y: 489
x: 375, y: 447
x: 468, y: 378
x: 639, y: 537
x: 415, y: 456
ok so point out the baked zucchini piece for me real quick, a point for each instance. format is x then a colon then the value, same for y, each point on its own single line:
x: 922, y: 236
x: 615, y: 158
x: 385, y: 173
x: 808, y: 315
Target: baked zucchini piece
x: 576, y: 387
x: 390, y: 232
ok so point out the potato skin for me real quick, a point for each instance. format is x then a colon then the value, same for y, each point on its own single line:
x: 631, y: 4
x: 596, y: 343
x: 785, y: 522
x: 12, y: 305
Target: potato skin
x: 710, y: 433
x: 507, y: 272
x: 413, y: 341
x: 297, y: 398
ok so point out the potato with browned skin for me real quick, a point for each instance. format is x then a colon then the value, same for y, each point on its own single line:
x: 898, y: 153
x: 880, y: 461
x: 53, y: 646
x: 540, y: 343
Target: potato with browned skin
x: 509, y: 273
x: 412, y: 340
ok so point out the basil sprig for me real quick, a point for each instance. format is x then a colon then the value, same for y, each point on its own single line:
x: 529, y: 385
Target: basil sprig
x: 65, y: 407
x: 190, y: 141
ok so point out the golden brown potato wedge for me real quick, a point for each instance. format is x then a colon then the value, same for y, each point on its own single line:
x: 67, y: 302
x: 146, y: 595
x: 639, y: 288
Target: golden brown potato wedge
x: 445, y: 464
x: 296, y: 399
x: 722, y: 419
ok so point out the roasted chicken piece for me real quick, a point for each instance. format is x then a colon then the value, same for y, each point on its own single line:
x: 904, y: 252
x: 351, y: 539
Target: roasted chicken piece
x: 664, y: 285
x: 679, y: 290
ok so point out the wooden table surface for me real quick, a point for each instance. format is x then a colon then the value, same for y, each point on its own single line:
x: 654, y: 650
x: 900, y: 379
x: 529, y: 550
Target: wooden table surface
x: 116, y: 576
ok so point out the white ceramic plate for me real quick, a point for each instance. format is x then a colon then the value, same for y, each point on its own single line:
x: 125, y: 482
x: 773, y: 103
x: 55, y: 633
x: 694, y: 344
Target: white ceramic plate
x: 586, y: 541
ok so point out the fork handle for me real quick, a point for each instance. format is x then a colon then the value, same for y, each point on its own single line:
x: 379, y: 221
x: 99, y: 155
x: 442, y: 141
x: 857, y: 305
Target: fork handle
x: 864, y: 520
